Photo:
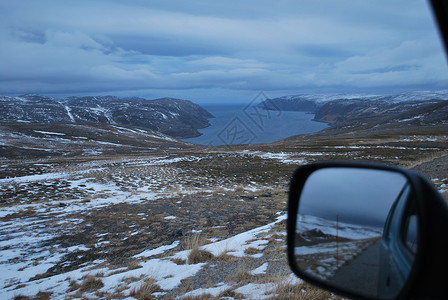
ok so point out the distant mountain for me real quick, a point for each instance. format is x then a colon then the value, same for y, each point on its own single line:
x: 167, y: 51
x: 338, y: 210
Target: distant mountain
x: 359, y: 120
x: 339, y: 111
x: 174, y: 117
x: 313, y: 103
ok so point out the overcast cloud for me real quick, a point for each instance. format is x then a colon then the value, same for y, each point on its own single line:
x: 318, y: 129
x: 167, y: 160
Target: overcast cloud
x: 218, y: 50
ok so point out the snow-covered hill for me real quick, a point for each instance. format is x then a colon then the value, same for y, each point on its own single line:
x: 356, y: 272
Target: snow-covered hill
x: 311, y: 103
x: 174, y: 117
x: 26, y: 140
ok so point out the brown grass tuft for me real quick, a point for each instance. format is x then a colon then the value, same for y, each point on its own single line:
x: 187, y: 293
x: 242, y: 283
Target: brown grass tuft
x: 178, y: 261
x: 302, y: 291
x: 91, y: 283
x: 146, y: 289
x: 224, y: 257
x: 285, y: 289
x: 251, y: 250
x: 229, y: 294
x: 199, y: 297
x: 197, y: 256
x: 22, y: 297
x: 193, y: 242
x: 73, y: 286
x: 132, y: 265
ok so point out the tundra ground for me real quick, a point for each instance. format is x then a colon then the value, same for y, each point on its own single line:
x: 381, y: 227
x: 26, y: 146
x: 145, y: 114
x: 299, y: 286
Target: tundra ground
x: 183, y: 223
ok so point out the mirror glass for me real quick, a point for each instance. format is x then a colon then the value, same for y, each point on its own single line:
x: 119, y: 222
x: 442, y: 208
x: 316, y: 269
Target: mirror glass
x: 357, y: 230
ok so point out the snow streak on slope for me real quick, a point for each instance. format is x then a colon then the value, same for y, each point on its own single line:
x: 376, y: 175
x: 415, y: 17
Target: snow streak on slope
x: 345, y: 230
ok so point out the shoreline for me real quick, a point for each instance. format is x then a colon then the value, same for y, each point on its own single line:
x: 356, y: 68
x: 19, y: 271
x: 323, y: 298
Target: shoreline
x: 232, y: 126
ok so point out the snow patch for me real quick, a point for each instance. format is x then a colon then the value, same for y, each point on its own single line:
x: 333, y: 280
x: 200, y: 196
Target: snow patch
x: 158, y: 250
x: 49, y: 132
x: 237, y: 244
x: 213, y: 291
x: 257, y: 290
x: 260, y: 270
x: 69, y: 113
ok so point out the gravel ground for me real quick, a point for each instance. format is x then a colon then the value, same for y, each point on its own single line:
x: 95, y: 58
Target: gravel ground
x: 437, y: 171
x: 438, y: 168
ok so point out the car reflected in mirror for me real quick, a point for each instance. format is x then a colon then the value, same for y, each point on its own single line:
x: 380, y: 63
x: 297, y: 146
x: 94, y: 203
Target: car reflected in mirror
x: 355, y: 229
x: 398, y: 245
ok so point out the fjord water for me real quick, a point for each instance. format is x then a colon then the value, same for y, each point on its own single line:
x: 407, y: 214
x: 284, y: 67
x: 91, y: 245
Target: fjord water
x: 237, y: 124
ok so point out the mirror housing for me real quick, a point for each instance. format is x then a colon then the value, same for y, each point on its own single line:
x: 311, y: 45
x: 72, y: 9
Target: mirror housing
x: 421, y: 194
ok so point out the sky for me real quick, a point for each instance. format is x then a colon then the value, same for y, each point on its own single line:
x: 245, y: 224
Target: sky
x: 351, y: 194
x: 226, y: 51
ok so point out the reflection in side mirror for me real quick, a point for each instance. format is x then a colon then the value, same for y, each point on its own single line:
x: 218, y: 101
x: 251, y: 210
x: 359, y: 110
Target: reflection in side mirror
x: 356, y: 230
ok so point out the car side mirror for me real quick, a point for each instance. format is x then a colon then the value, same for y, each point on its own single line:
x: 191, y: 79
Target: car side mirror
x: 354, y: 228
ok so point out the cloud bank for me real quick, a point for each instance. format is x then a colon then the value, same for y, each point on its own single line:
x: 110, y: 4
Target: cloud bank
x: 228, y: 50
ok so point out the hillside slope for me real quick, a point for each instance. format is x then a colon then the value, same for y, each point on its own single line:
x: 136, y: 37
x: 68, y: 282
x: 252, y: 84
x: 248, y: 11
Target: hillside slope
x: 429, y: 117
x: 174, y: 117
x: 313, y: 103
x: 28, y: 140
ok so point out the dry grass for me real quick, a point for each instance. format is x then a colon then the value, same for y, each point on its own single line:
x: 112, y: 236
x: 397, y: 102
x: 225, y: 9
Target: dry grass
x: 204, y: 296
x: 224, y: 257
x: 178, y: 261
x: 132, y: 265
x: 302, y: 291
x: 242, y: 275
x: 73, y: 286
x: 285, y: 288
x: 276, y: 236
x: 220, y: 216
x: 193, y: 242
x: 251, y: 251
x: 185, y: 287
x: 276, y: 247
x: 229, y: 294
x: 132, y: 279
x: 226, y: 294
x: 39, y: 296
x: 426, y: 157
x: 91, y: 283
x: 146, y: 289
x: 197, y: 256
